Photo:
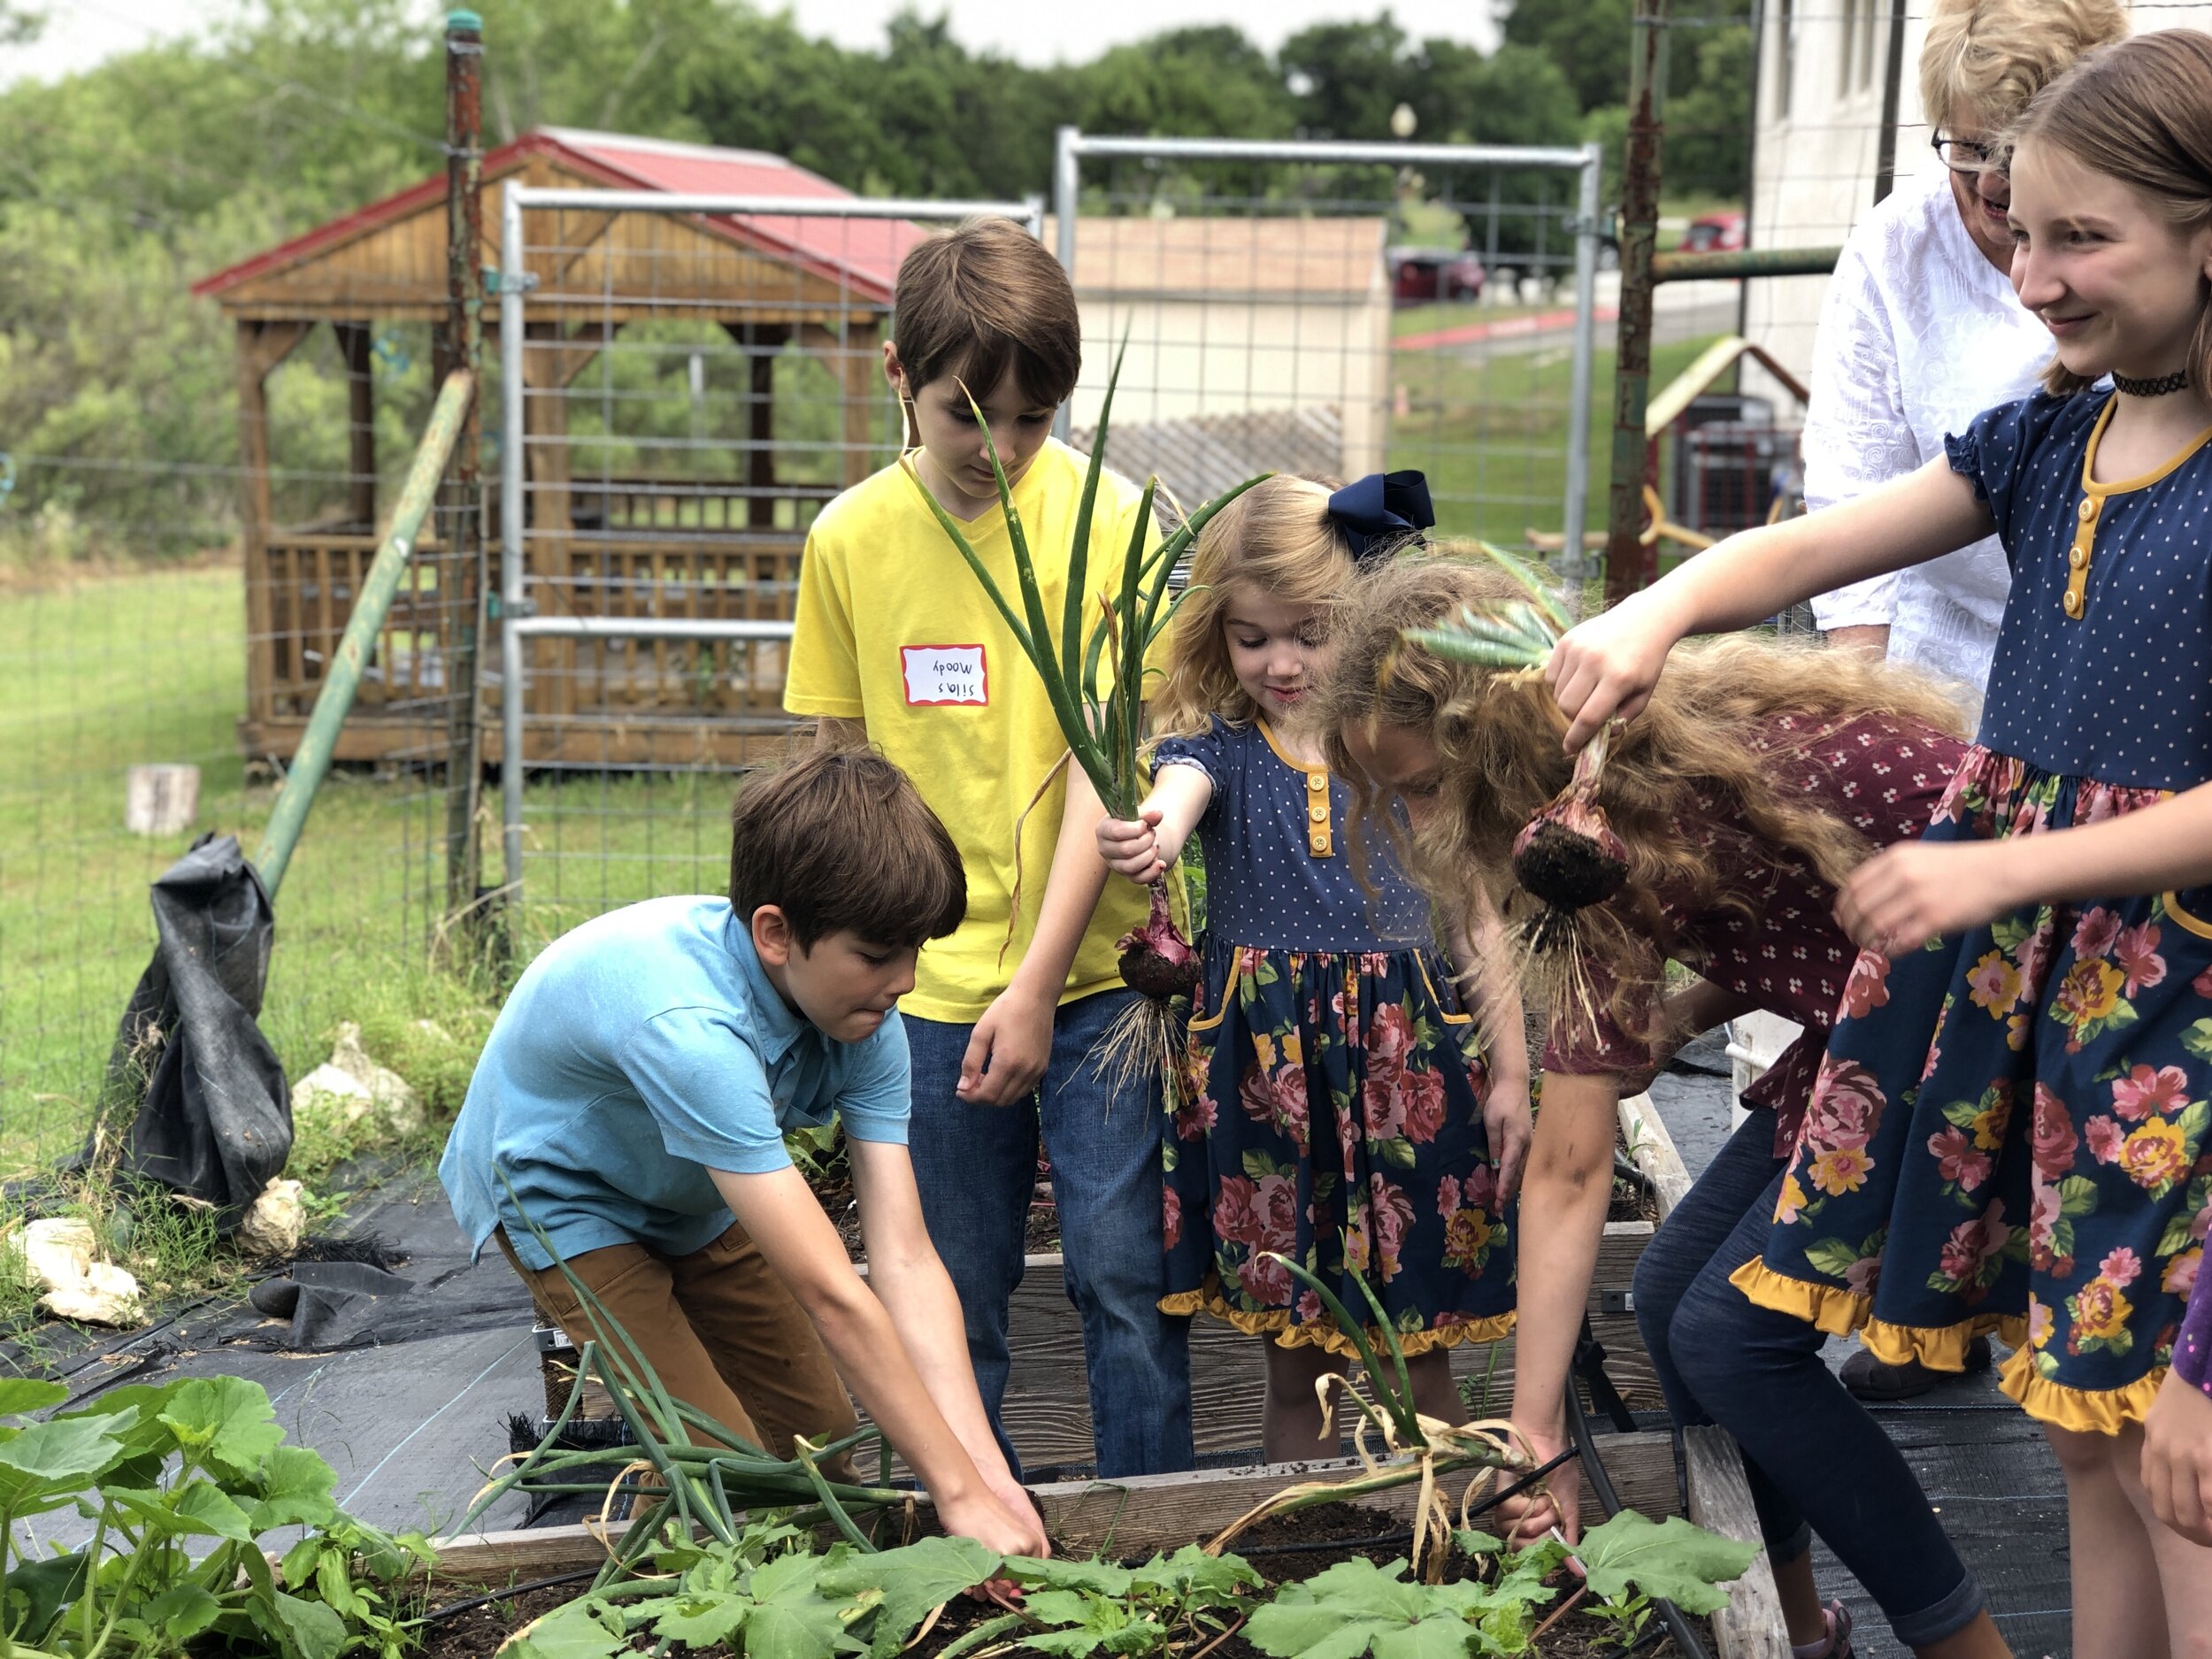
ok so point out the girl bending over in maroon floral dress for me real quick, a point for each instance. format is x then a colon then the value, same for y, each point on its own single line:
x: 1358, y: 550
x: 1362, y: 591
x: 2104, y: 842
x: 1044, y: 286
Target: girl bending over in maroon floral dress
x: 1756, y: 780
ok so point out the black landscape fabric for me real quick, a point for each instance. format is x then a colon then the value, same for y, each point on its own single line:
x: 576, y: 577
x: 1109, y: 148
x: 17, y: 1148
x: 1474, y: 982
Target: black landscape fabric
x: 214, y: 1118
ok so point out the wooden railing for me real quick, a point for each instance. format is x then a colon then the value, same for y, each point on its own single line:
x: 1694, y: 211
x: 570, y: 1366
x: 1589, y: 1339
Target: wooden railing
x: 636, y: 505
x: 313, y: 576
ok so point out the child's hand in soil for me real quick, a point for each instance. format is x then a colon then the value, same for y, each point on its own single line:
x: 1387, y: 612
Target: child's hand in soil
x: 2177, y: 1458
x: 1008, y: 1528
x: 1135, y: 847
x: 1528, y: 1518
x: 1007, y: 1053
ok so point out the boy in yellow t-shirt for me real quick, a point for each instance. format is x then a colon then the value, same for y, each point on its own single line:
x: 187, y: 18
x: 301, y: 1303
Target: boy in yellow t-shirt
x: 897, y: 643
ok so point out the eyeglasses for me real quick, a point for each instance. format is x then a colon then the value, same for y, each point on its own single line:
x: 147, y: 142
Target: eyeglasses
x: 1960, y: 155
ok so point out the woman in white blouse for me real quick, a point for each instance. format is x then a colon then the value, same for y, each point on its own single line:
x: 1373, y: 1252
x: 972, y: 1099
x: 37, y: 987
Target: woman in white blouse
x: 1920, y: 330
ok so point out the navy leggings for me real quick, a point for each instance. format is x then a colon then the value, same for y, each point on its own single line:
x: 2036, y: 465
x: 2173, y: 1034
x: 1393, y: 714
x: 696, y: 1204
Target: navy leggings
x: 1816, y: 1461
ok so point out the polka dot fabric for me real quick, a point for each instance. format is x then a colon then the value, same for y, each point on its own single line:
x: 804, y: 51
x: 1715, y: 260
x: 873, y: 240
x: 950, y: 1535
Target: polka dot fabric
x: 1769, y: 934
x: 1331, y: 1106
x: 2123, y: 693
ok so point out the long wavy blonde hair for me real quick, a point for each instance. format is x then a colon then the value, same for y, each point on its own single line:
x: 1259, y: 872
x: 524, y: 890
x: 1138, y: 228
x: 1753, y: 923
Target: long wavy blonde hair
x: 1276, y: 538
x: 1497, y: 735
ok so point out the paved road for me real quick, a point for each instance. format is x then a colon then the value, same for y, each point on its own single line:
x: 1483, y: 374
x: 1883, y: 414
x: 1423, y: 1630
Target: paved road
x: 1680, y: 310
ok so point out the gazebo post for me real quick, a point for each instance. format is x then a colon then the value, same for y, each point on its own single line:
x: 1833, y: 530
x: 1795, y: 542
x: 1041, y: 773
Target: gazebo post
x: 851, y: 354
x: 354, y: 347
x: 261, y: 346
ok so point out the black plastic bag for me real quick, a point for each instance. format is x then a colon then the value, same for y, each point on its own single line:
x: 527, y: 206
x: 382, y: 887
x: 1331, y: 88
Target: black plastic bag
x: 214, y: 1118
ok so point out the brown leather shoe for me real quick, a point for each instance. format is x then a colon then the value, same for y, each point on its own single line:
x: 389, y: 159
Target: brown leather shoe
x: 1869, y: 1378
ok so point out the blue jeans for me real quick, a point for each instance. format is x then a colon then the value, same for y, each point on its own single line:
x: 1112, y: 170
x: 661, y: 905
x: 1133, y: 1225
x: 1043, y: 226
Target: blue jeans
x: 977, y: 1167
x: 1817, y: 1461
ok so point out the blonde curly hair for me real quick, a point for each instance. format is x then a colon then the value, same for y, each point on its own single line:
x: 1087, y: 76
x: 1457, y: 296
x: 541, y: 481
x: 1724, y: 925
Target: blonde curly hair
x: 1497, y: 735
x: 1276, y: 538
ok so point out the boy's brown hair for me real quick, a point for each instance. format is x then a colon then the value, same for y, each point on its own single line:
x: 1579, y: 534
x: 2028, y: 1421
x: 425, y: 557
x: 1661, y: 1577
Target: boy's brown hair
x: 841, y: 841
x: 979, y: 299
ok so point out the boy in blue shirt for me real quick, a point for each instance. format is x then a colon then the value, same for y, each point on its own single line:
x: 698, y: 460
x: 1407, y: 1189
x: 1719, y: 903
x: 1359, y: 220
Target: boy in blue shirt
x: 634, y: 1095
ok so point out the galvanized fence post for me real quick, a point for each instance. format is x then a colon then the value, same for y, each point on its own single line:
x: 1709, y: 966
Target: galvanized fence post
x: 1067, y: 169
x: 513, y: 285
x: 1575, y: 512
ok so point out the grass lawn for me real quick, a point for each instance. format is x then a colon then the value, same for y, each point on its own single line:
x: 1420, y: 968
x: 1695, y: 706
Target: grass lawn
x: 1491, y: 433
x: 109, y: 672
x: 96, y: 677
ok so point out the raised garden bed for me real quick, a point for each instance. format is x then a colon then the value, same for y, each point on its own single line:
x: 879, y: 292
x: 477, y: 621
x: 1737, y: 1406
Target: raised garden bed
x: 1047, y: 1414
x: 1286, y: 1549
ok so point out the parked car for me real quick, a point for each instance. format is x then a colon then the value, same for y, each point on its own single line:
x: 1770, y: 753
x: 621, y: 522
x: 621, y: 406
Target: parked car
x: 1419, y: 276
x: 1714, y: 233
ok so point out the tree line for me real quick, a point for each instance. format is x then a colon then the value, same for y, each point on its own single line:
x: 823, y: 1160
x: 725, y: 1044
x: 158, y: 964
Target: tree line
x: 123, y: 184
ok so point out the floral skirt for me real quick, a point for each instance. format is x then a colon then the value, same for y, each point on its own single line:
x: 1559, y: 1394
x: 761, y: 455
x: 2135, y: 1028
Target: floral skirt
x: 2008, y: 1131
x: 1333, y: 1113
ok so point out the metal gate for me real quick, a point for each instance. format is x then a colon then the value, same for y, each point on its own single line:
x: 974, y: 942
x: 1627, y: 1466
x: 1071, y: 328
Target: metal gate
x: 1338, y: 308
x: 687, y: 379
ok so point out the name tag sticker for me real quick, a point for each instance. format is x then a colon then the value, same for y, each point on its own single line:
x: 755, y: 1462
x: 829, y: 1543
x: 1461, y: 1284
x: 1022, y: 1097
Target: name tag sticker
x: 942, y: 675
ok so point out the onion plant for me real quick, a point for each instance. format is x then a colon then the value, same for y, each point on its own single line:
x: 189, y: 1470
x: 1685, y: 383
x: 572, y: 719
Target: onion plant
x: 1415, y: 1447
x: 1568, y: 856
x: 1102, y: 720
x: 704, y: 1476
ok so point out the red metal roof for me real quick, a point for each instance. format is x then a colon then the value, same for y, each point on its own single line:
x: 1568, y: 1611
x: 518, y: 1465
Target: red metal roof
x: 863, y: 252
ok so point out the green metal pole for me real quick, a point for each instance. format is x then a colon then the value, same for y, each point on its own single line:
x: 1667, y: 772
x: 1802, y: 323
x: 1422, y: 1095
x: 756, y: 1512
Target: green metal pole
x: 342, y: 677
x: 1628, y: 565
x: 1750, y: 262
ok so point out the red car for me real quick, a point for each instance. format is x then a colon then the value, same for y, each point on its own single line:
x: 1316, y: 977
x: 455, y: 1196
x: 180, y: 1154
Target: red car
x: 1714, y: 233
x: 1419, y: 276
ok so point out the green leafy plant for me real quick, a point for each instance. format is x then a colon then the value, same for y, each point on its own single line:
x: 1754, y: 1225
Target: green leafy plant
x: 1355, y: 1607
x: 765, y: 1591
x: 182, y: 1482
x: 1165, y: 1606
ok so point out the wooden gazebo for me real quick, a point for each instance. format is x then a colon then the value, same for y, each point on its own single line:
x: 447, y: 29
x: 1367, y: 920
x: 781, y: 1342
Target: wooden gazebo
x: 662, y: 545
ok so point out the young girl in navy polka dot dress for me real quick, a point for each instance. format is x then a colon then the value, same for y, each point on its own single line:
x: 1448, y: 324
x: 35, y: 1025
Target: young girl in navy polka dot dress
x: 1341, y: 1107
x: 2010, y: 1132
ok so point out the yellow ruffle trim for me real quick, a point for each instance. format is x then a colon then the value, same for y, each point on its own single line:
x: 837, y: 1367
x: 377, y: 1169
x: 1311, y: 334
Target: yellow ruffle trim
x: 1324, y: 1334
x: 2084, y: 1411
x: 1840, y: 1312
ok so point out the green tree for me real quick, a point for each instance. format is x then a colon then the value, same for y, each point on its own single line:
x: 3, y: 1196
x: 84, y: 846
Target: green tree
x: 1347, y: 78
x: 1208, y: 81
x: 1587, y: 39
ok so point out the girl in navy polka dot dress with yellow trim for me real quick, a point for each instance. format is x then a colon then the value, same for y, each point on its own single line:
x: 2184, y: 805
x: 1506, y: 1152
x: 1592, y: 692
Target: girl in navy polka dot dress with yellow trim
x: 1341, y: 1107
x: 2013, y: 1131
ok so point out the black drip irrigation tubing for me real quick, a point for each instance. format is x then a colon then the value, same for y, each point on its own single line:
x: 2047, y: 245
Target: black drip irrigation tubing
x: 1671, y: 1616
x: 455, y: 1609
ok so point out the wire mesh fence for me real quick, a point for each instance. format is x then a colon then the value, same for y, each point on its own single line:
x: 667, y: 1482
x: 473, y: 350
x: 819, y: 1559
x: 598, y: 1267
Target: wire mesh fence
x: 1341, y: 308
x: 203, y: 665
x: 697, y: 378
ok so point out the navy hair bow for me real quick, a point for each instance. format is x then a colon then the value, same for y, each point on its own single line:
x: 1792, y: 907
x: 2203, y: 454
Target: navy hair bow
x: 1379, y: 514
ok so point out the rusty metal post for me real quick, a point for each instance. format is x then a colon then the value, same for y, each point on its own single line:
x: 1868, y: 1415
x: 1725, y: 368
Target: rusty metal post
x: 1628, y: 565
x: 1893, y: 83
x: 465, y: 488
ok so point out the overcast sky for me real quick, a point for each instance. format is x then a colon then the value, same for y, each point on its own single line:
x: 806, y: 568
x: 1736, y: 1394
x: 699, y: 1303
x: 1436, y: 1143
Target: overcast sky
x: 79, y: 33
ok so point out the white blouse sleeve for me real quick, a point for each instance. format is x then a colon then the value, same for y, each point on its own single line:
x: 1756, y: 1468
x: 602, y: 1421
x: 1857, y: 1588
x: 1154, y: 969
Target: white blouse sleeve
x: 1856, y: 435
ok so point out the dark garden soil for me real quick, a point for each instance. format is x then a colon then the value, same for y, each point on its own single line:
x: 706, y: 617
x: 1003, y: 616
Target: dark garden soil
x: 1287, y: 1550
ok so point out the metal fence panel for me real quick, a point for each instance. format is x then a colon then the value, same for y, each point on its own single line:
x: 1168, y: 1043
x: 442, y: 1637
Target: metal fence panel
x: 697, y: 377
x: 1338, y: 308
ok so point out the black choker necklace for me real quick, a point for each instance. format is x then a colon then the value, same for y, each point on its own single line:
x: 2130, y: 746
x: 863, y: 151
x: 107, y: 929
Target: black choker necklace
x: 2158, y: 387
